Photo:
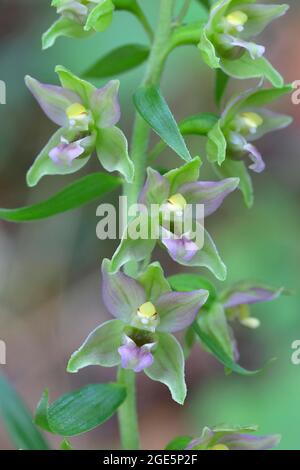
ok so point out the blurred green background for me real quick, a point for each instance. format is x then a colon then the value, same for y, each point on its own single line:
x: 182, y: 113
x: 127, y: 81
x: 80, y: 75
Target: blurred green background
x: 50, y: 278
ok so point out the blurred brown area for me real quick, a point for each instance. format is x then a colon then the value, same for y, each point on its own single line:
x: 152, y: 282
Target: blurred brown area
x: 50, y: 295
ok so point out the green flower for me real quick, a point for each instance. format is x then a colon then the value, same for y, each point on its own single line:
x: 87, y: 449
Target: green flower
x: 147, y: 313
x: 78, y: 19
x: 87, y: 117
x: 242, y: 122
x: 225, y: 44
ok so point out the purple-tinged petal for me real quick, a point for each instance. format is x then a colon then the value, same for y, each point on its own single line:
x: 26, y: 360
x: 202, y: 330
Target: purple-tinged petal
x: 122, y: 295
x: 178, y: 310
x: 258, y: 164
x: 134, y: 357
x: 105, y: 105
x: 209, y: 193
x: 74, y: 10
x: 251, y: 295
x: 203, y: 442
x: 201, y: 252
x: 156, y: 189
x: 250, y: 442
x: 255, y: 50
x: 53, y: 100
x: 179, y: 248
x: 65, y: 152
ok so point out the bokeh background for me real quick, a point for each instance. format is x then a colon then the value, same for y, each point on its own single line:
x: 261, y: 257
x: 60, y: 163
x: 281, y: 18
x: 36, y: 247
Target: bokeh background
x: 49, y: 271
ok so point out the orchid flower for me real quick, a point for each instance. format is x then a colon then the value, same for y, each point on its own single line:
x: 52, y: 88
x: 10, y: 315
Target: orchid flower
x: 87, y: 117
x: 234, y: 305
x: 242, y: 122
x: 225, y: 44
x: 147, y: 312
x: 233, y: 438
x: 79, y: 18
x: 173, y: 193
x: 238, y: 298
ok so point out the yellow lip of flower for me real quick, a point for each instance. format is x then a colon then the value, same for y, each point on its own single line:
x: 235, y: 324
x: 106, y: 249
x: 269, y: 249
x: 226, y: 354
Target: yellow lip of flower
x: 219, y: 447
x: 237, y: 19
x: 147, y: 311
x: 252, y: 120
x: 178, y: 201
x: 76, y: 111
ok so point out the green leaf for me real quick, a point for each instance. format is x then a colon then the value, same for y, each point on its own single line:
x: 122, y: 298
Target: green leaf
x: 245, y: 67
x: 214, y: 347
x: 63, y: 27
x: 190, y: 282
x: 216, y: 145
x: 43, y: 165
x: 221, y: 84
x: 153, y: 108
x: 179, y: 443
x: 77, y: 194
x: 112, y: 151
x: 84, y: 409
x: 118, y: 61
x: 100, y: 16
x: 17, y: 420
x: 231, y: 168
x: 41, y: 413
x: 199, y: 124
x: 168, y: 366
x: 100, y: 348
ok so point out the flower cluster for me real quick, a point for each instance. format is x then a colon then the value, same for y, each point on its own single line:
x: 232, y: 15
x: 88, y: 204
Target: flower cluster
x: 149, y: 309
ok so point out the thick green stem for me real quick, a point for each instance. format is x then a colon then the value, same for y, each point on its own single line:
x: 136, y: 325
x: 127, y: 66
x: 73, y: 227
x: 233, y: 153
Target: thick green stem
x: 127, y: 413
x: 141, y: 132
x: 128, y: 421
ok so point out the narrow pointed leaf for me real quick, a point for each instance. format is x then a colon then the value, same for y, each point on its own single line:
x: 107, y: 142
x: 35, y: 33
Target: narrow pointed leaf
x: 118, y: 61
x: 77, y: 194
x: 17, y: 420
x: 153, y: 108
x: 84, y: 409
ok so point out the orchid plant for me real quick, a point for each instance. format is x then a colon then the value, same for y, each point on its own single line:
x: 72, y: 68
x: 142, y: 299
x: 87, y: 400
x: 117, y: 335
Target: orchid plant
x: 150, y: 308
